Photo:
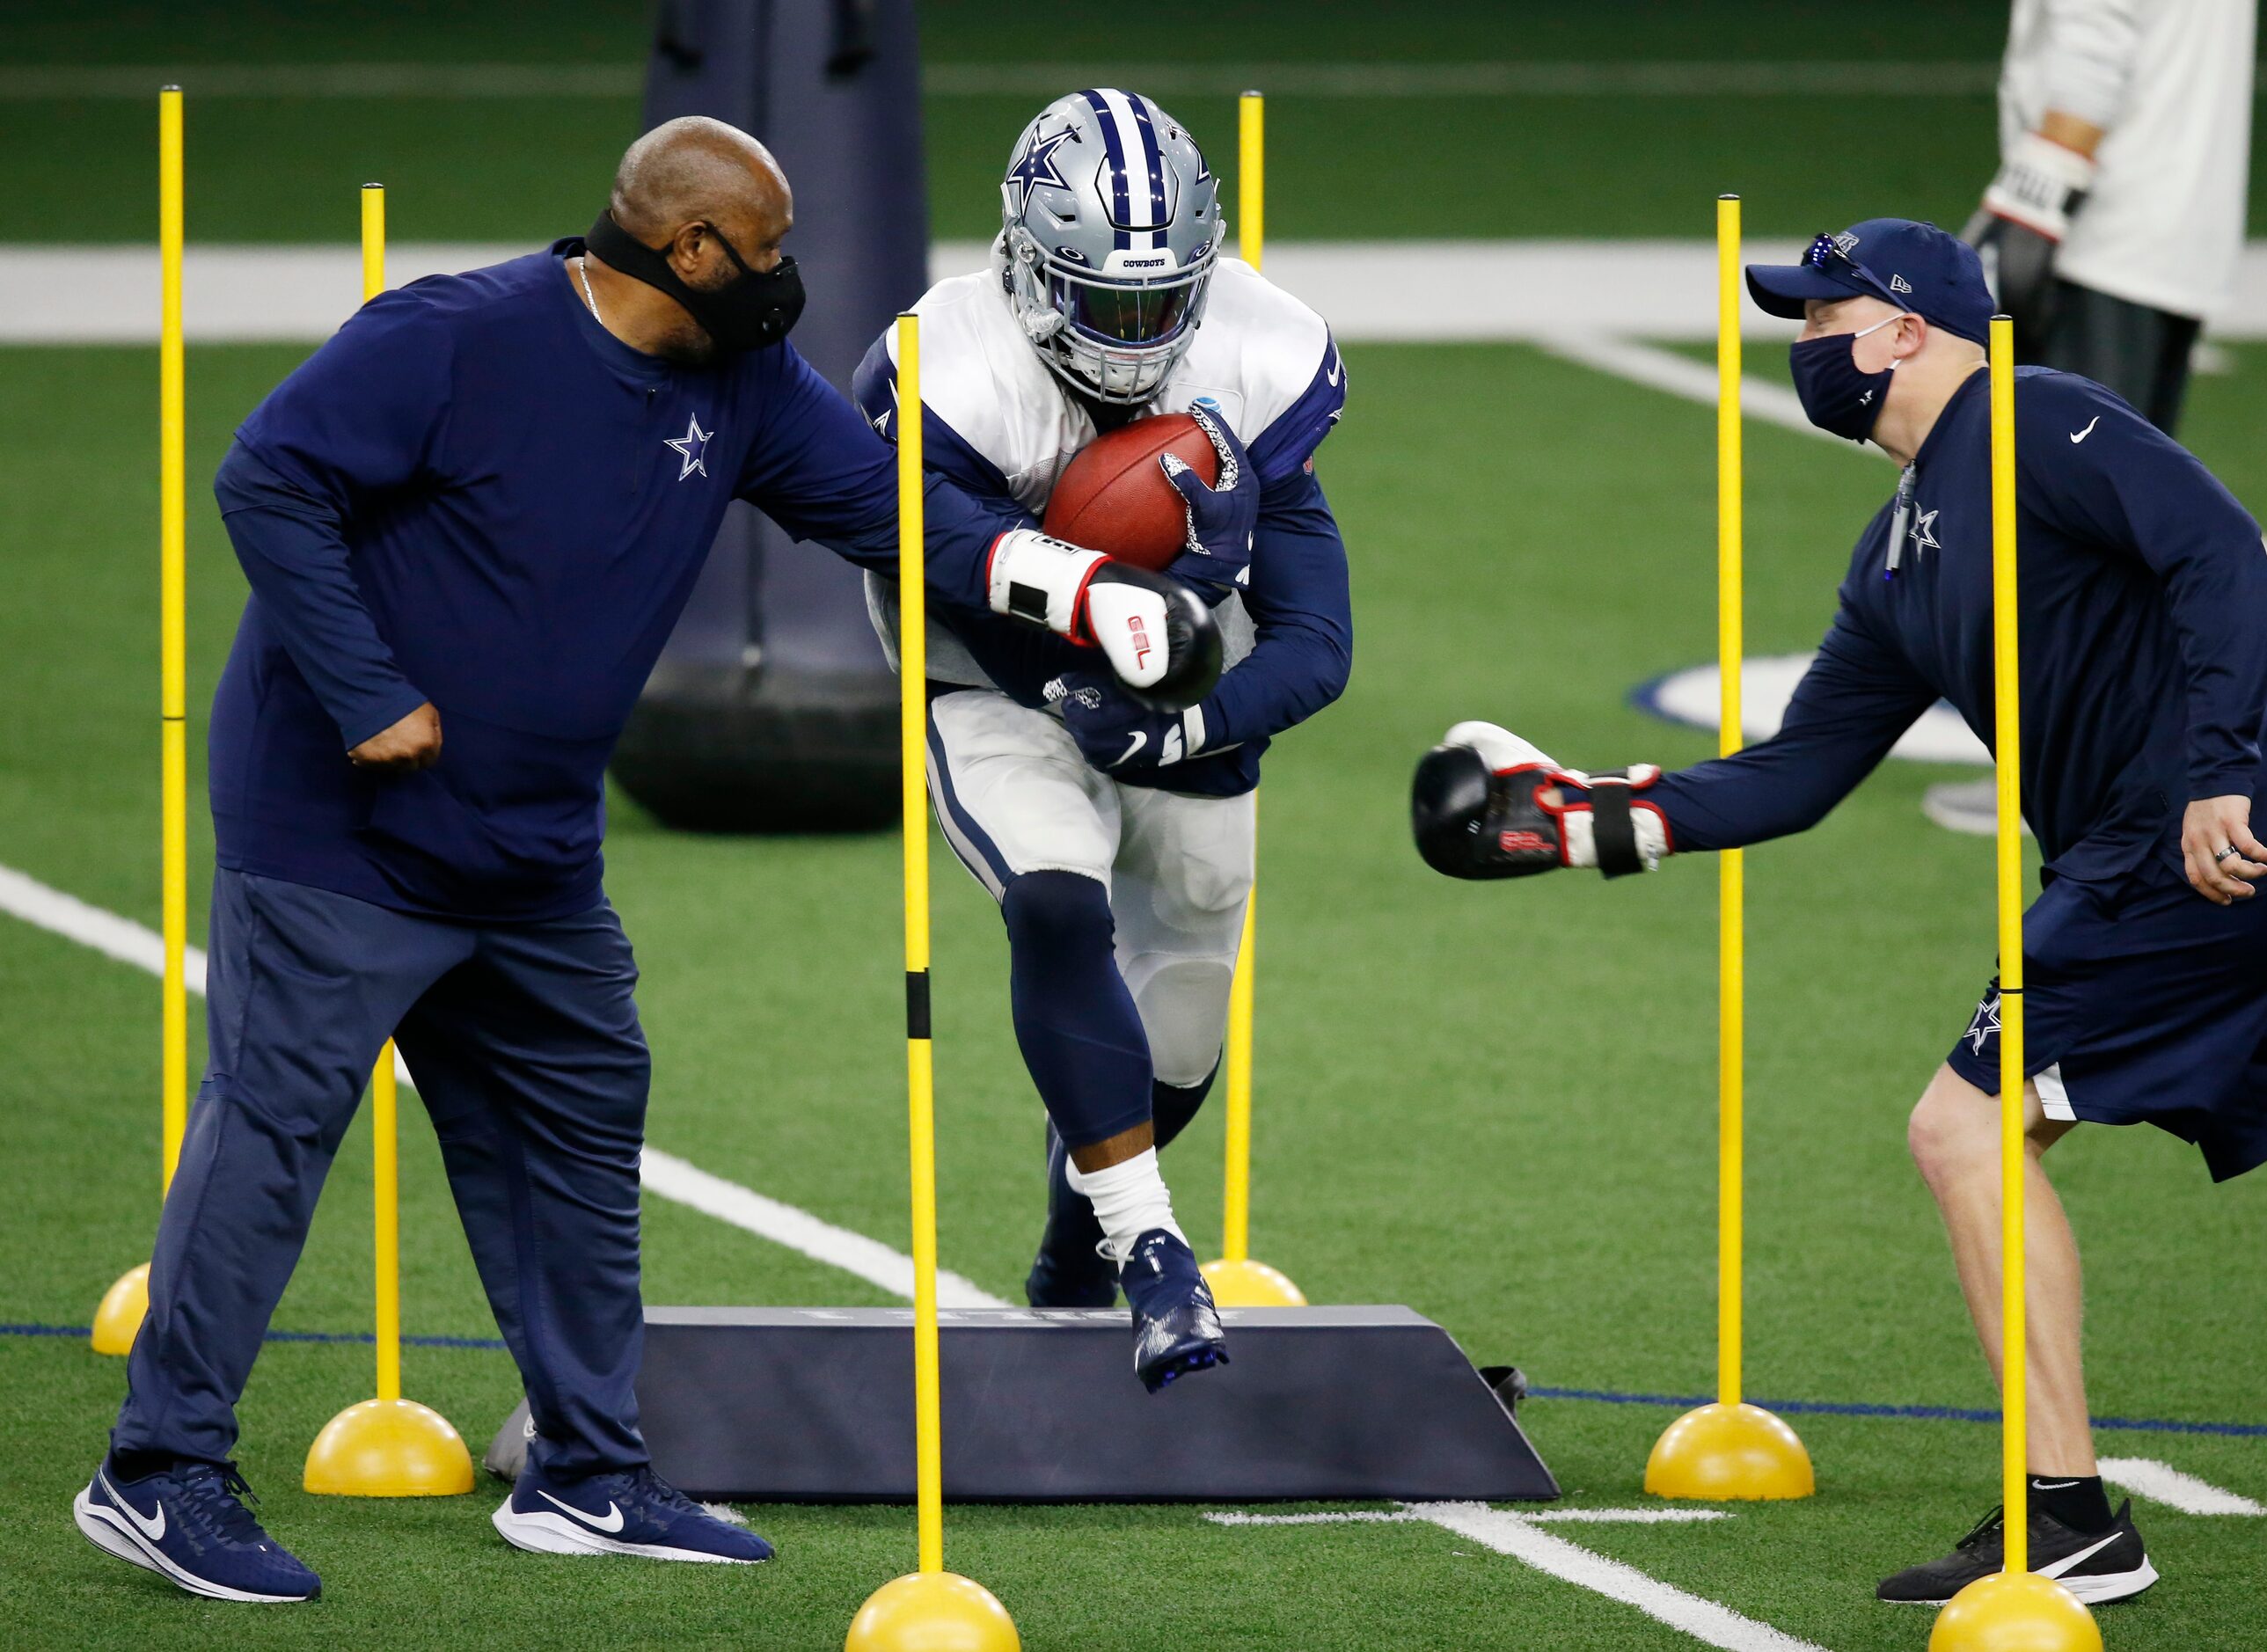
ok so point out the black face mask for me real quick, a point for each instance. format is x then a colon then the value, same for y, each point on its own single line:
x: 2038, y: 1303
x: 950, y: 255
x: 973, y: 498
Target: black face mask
x: 1837, y: 395
x: 754, y: 309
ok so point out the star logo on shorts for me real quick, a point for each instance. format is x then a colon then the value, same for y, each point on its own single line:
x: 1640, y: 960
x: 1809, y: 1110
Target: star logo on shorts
x: 1986, y: 1026
x: 692, y: 447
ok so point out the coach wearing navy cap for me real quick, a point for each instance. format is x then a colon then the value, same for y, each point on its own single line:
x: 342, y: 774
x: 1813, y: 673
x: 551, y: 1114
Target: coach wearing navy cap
x: 2144, y: 614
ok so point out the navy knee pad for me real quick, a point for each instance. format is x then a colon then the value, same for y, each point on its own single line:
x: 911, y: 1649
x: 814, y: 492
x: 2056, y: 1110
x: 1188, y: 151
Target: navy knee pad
x: 1079, y: 1033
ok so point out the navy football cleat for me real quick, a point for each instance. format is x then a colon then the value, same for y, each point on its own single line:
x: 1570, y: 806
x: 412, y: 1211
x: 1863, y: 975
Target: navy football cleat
x: 187, y: 1524
x: 1070, y: 1271
x: 633, y: 1512
x: 1175, y: 1327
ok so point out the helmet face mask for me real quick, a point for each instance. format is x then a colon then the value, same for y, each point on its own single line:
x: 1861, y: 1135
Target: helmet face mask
x: 1111, y: 230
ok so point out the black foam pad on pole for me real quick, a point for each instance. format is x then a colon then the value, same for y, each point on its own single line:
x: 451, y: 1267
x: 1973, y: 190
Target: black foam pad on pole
x: 772, y: 709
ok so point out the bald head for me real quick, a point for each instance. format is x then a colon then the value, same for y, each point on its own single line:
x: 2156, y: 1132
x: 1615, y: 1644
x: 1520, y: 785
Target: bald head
x: 695, y: 170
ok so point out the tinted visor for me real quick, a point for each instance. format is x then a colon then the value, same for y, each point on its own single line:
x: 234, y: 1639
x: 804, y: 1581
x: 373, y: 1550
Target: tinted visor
x: 1123, y: 315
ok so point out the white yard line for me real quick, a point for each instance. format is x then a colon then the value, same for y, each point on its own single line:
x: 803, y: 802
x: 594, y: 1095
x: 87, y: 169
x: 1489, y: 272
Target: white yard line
x: 1658, y: 368
x: 1582, y: 297
x: 1959, y: 78
x: 2161, y: 1483
x: 663, y: 1174
x: 687, y: 1184
x: 1519, y: 1535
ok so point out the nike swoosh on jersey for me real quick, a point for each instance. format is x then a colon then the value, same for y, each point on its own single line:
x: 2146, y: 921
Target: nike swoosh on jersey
x: 612, y: 1522
x: 2076, y: 437
x: 1334, y: 371
x: 153, y: 1530
x: 1132, y: 746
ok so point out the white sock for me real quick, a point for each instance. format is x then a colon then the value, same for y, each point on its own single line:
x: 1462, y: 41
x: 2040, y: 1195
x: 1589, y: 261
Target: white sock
x: 1129, y: 1199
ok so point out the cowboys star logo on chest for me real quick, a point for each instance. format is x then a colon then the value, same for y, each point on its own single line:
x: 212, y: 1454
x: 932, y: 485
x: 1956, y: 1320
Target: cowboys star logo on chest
x: 692, y: 448
x: 1923, y: 531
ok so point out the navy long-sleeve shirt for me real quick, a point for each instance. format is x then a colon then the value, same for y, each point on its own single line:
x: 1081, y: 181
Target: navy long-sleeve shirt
x: 474, y: 495
x: 2143, y: 614
x: 1297, y: 594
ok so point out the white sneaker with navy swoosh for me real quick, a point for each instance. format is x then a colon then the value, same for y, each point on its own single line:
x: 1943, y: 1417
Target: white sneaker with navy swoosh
x: 634, y: 1512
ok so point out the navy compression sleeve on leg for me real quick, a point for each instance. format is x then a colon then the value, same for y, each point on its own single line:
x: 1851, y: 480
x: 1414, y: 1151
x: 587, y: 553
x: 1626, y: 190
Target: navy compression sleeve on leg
x: 1081, y: 1035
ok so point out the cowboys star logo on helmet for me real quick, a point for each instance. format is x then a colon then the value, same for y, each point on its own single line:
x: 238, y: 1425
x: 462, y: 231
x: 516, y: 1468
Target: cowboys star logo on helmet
x: 1111, y: 227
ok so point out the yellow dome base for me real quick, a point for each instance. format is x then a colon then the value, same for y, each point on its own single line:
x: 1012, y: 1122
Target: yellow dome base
x: 2014, y: 1612
x: 1729, y: 1453
x: 1249, y: 1284
x: 124, y: 1306
x: 389, y: 1447
x: 932, y: 1611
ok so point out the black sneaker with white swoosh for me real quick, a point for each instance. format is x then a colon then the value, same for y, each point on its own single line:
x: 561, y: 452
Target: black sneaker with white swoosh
x: 2095, y: 1567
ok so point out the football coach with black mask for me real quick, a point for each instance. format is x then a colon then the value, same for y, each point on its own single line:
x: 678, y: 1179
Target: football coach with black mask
x: 469, y: 522
x: 2144, y: 614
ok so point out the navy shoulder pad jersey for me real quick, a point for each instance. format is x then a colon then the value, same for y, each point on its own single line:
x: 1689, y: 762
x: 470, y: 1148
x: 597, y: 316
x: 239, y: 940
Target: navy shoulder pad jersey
x: 999, y: 424
x: 474, y: 495
x: 2143, y: 612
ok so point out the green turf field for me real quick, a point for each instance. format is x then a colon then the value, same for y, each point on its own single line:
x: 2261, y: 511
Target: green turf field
x: 1494, y: 1104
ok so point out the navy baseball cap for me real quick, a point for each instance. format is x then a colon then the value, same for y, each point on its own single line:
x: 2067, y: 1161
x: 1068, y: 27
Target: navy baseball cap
x: 1916, y: 266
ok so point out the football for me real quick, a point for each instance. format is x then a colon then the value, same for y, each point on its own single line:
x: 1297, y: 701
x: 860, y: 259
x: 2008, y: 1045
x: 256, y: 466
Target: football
x: 1113, y: 497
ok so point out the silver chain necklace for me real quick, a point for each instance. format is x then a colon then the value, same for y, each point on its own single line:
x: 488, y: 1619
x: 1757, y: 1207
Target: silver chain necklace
x: 582, y: 269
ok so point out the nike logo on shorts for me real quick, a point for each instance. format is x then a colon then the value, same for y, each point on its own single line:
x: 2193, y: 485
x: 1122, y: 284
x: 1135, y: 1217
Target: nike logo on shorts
x: 2076, y: 437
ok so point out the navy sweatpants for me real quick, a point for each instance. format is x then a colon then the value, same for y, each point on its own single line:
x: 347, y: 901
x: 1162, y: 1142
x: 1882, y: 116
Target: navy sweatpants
x: 524, y: 1046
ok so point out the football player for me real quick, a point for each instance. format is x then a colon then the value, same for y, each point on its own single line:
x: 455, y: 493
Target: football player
x: 1117, y: 836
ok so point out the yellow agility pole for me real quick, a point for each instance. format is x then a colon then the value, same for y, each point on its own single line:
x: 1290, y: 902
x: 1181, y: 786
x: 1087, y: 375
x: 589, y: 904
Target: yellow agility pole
x: 1236, y: 1281
x: 389, y: 1446
x: 930, y: 1608
x: 125, y: 1303
x: 2014, y: 1608
x: 1729, y: 1450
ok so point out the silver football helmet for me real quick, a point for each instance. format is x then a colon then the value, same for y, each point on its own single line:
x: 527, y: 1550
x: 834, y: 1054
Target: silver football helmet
x: 1112, y: 225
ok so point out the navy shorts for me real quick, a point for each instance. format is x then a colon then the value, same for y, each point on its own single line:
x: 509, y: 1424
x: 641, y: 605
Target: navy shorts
x: 2145, y: 1003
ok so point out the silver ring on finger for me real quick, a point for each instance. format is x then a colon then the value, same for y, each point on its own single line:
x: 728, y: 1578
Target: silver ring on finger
x: 2225, y: 852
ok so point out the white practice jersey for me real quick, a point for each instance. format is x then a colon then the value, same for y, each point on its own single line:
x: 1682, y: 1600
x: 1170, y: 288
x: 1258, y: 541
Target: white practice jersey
x: 1266, y: 359
x: 2170, y: 83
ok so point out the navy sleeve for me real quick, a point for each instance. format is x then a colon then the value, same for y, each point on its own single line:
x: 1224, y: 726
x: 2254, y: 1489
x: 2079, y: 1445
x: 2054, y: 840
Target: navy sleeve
x: 293, y: 549
x: 822, y: 471
x: 1280, y: 451
x: 366, y: 415
x: 360, y: 420
x: 2095, y: 468
x: 1852, y: 705
x: 1303, y: 614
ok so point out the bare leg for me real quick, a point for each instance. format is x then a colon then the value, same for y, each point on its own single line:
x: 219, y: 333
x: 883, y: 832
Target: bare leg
x: 1100, y: 1156
x: 1955, y: 1135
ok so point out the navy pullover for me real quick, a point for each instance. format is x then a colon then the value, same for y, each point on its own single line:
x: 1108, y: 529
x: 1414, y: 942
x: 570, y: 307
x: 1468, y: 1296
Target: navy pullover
x: 2143, y: 614
x: 474, y: 495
